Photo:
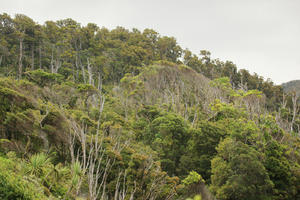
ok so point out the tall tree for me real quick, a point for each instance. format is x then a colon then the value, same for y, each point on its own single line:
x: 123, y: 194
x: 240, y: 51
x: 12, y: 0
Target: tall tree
x: 238, y: 173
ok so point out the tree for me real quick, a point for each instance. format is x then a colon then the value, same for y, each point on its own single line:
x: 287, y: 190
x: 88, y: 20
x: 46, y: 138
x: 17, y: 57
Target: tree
x: 168, y: 49
x: 168, y: 135
x: 24, y: 30
x: 279, y: 170
x: 238, y: 173
x: 201, y: 148
x: 43, y: 78
x: 7, y: 33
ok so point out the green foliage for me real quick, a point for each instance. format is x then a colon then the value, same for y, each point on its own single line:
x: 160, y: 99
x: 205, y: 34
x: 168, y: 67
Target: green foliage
x: 168, y: 136
x: 12, y: 101
x: 238, y: 173
x: 192, y: 178
x: 43, y: 78
x: 12, y: 188
x: 86, y: 88
x: 76, y: 173
x: 225, y: 111
x: 13, y: 185
x: 197, y: 197
x: 37, y: 163
x: 279, y: 170
x: 224, y: 85
x: 201, y: 148
x: 168, y: 115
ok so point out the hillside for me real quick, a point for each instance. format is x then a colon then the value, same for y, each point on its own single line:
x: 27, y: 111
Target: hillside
x: 292, y: 86
x: 92, y: 113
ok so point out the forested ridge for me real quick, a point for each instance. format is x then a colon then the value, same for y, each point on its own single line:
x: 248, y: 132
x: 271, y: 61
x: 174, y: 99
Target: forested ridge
x: 292, y: 86
x: 92, y: 113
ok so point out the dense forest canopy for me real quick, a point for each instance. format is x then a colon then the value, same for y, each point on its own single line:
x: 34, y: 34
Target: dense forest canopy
x: 92, y: 113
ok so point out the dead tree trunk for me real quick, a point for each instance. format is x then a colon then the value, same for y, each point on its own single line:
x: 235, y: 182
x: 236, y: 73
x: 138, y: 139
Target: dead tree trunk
x: 91, y: 80
x: 295, y: 109
x: 77, y: 63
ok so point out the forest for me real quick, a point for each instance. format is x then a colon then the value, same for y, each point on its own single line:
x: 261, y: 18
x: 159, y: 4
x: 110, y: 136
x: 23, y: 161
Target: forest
x: 98, y: 114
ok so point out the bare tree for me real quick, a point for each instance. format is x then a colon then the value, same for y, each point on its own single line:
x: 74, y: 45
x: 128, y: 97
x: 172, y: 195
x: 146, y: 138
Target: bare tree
x: 21, y: 39
x: 56, y: 62
x: 295, y: 109
x: 90, y: 73
x: 95, y: 163
x: 78, y: 62
x: 284, y: 101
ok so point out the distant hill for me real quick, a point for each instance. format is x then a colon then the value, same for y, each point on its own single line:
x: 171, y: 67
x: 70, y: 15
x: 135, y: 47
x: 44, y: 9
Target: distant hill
x: 292, y: 86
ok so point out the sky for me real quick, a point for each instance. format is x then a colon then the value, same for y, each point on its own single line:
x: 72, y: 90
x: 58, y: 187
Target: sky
x: 262, y: 36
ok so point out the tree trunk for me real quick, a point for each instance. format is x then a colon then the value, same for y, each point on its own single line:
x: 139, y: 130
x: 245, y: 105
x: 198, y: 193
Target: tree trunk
x: 32, y: 57
x: 99, y: 82
x: 91, y: 81
x: 20, y: 59
x: 295, y: 108
x: 40, y: 56
x: 78, y: 62
x: 51, y: 63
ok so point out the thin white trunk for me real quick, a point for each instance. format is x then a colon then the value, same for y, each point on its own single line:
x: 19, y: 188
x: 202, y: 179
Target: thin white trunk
x: 57, y: 65
x: 295, y: 109
x: 78, y: 62
x: 21, y: 58
x: 99, y: 82
x: 32, y: 57
x: 40, y: 56
x: 52, y: 60
x: 91, y: 80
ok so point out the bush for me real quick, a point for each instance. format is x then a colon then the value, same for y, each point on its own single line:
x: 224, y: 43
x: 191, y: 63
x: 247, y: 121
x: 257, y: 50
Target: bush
x: 14, y: 185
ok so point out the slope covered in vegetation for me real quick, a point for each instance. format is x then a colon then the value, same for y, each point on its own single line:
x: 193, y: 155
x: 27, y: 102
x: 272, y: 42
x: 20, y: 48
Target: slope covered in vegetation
x: 292, y: 86
x: 89, y: 113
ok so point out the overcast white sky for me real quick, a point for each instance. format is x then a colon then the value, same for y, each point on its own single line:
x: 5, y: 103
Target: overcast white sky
x: 262, y: 36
